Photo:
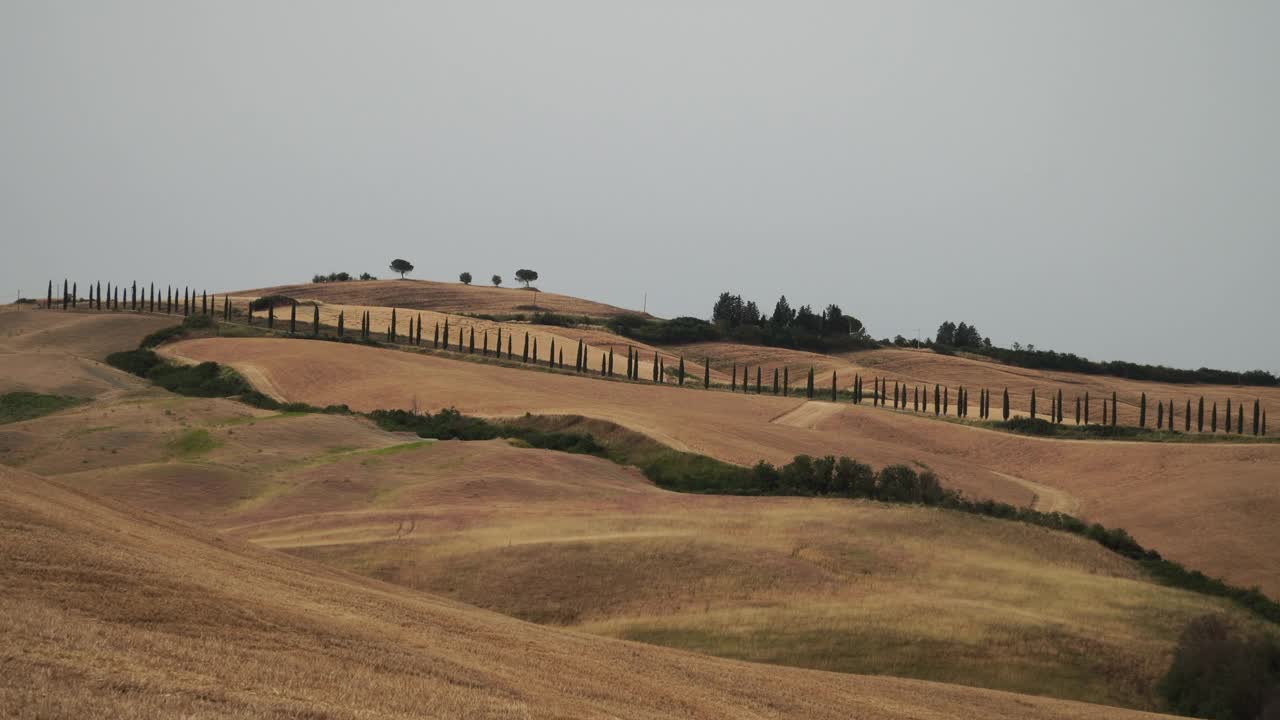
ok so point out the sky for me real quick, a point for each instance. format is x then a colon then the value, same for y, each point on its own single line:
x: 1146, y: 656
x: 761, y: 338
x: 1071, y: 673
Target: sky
x: 1094, y: 177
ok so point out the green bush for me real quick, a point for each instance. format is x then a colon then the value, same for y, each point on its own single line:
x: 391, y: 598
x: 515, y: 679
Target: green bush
x: 1220, y: 673
x: 19, y: 406
x: 134, y: 362
x: 268, y: 301
x: 449, y: 424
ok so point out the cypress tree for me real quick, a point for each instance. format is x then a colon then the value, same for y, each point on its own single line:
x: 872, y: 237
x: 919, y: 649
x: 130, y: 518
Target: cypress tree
x: 1033, y: 403
x: 315, y: 321
x: 511, y: 355
x: 581, y: 359
x: 417, y: 336
x: 924, y: 399
x: 1200, y: 416
x: 186, y: 302
x: 758, y: 379
x: 497, y: 346
x: 809, y: 385
x: 857, y: 388
x: 551, y: 356
x: 153, y: 298
x: 733, y: 379
x: 271, y: 316
x: 525, y: 355
x: 1159, y: 415
x: 937, y: 400
x: 1077, y: 410
x: 1142, y: 411
x: 226, y: 307
x: 97, y: 293
x: 435, y: 336
x: 744, y: 380
x: 610, y: 361
x: 786, y: 382
x: 1227, y: 420
x: 1005, y: 404
x: 1115, y: 409
x: 1059, y: 406
x: 603, y: 360
x: 915, y: 398
x: 1240, y: 418
x: 946, y: 399
x: 293, y: 319
x: 1086, y: 408
x: 1186, y: 417
x: 656, y: 360
x: 471, y: 341
x: 341, y: 327
x: 1104, y: 411
x: 48, y: 304
x: 168, y: 299
x: 833, y: 385
x: 562, y: 357
x: 895, y: 394
x: 66, y: 290
x: 535, y: 356
x: 204, y: 301
x: 1264, y: 423
x: 133, y: 296
x: 775, y: 381
x: 1257, y: 409
x: 249, y: 314
x: 682, y: 370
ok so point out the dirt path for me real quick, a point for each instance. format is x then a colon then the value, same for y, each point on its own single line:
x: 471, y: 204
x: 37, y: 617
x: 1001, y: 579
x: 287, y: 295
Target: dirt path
x: 809, y: 415
x: 1047, y: 499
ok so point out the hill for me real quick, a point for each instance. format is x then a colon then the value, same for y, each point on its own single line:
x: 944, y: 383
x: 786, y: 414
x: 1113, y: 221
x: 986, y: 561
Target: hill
x: 1155, y: 491
x: 114, y: 612
x: 439, y: 296
x: 579, y: 542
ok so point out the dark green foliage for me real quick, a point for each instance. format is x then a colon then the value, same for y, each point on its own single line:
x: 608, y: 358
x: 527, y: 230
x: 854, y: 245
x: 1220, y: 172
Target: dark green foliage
x: 809, y: 385
x: 465, y: 278
x: 449, y: 424
x: 1200, y: 415
x: 1115, y: 408
x: 332, y: 277
x: 19, y: 406
x: 733, y: 378
x: 1050, y: 360
x: 1240, y: 418
x: 681, y: 370
x: 833, y: 383
x: 204, y: 380
x: 1257, y: 407
x: 1187, y: 416
x: 267, y: 301
x: 525, y: 356
x: 1220, y: 672
x: 786, y: 382
x: 293, y: 319
x: 400, y: 266
x: 1213, y: 420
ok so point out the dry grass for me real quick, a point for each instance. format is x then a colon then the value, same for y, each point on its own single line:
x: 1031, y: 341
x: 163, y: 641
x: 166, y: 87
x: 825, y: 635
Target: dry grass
x: 1146, y: 488
x: 580, y: 542
x: 441, y: 297
x: 109, y: 612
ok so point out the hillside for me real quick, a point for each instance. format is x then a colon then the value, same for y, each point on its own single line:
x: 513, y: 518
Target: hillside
x: 113, y: 612
x: 1155, y: 491
x: 579, y: 542
x: 441, y: 297
x: 926, y: 368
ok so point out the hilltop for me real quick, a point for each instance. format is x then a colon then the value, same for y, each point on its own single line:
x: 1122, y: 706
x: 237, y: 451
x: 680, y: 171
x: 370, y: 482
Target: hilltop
x: 440, y: 297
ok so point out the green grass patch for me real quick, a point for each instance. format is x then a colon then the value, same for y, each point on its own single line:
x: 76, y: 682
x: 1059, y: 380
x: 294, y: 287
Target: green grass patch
x: 193, y: 442
x: 19, y: 406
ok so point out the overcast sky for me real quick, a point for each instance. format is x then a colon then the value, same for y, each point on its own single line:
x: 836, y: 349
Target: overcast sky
x: 1090, y: 176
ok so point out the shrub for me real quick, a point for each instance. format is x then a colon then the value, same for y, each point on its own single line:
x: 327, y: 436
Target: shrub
x: 19, y: 406
x: 271, y: 301
x: 1218, y: 672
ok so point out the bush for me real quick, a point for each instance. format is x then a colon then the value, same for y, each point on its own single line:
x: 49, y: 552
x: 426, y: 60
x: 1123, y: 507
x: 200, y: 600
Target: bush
x: 1219, y: 673
x: 207, y: 379
x: 134, y: 362
x: 332, y: 277
x: 26, y: 301
x: 19, y: 406
x: 449, y: 424
x: 268, y: 301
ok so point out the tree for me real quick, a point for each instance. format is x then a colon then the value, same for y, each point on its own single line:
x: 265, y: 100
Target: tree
x: 809, y: 386
x: 496, y: 280
x: 1200, y: 415
x: 1005, y: 407
x: 1115, y: 408
x: 465, y: 278
x: 946, y: 333
x: 1033, y: 404
x: 783, y: 315
x: 1142, y: 411
x: 398, y: 265
x: 1256, y: 417
x: 833, y: 383
x: 526, y: 276
x: 681, y: 370
x: 1228, y: 418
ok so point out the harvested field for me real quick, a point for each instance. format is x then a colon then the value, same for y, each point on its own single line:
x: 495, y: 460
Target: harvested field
x: 110, y: 611
x: 440, y: 297
x: 1156, y: 491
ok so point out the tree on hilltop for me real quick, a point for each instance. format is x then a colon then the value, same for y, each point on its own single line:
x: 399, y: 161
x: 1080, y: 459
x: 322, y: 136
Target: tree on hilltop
x: 497, y: 280
x: 401, y: 266
x: 465, y: 278
x: 526, y: 276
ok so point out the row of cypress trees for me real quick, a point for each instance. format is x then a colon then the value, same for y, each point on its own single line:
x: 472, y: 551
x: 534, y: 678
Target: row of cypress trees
x: 191, y: 302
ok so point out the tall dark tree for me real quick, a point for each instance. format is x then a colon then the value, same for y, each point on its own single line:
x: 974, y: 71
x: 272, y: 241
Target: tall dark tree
x: 681, y: 372
x: 341, y: 327
x: 1104, y: 411
x: 1115, y: 409
x: 1200, y: 415
x: 610, y: 361
x: 153, y: 298
x: 435, y: 336
x: 66, y: 292
x: 401, y: 266
x: 315, y: 321
x: 786, y: 382
x: 833, y: 385
x: 733, y: 378
x: 915, y: 398
x: 1187, y: 416
x: 1257, y: 409
x: 758, y: 371
x: 1077, y: 410
x: 809, y: 386
x: 946, y: 400
x: 1005, y: 406
x: 1059, y: 406
x: 535, y: 356
x: 511, y: 355
x: 48, y: 304
x: 1142, y: 411
x: 1240, y: 418
x: 924, y: 399
x: 1033, y: 404
x: 1159, y: 415
x: 471, y: 341
x: 525, y: 355
x: 937, y: 400
x: 775, y: 381
x: 1227, y: 419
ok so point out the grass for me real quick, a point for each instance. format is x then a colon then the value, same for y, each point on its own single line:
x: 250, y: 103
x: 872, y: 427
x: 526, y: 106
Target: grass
x: 193, y: 443
x: 19, y: 406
